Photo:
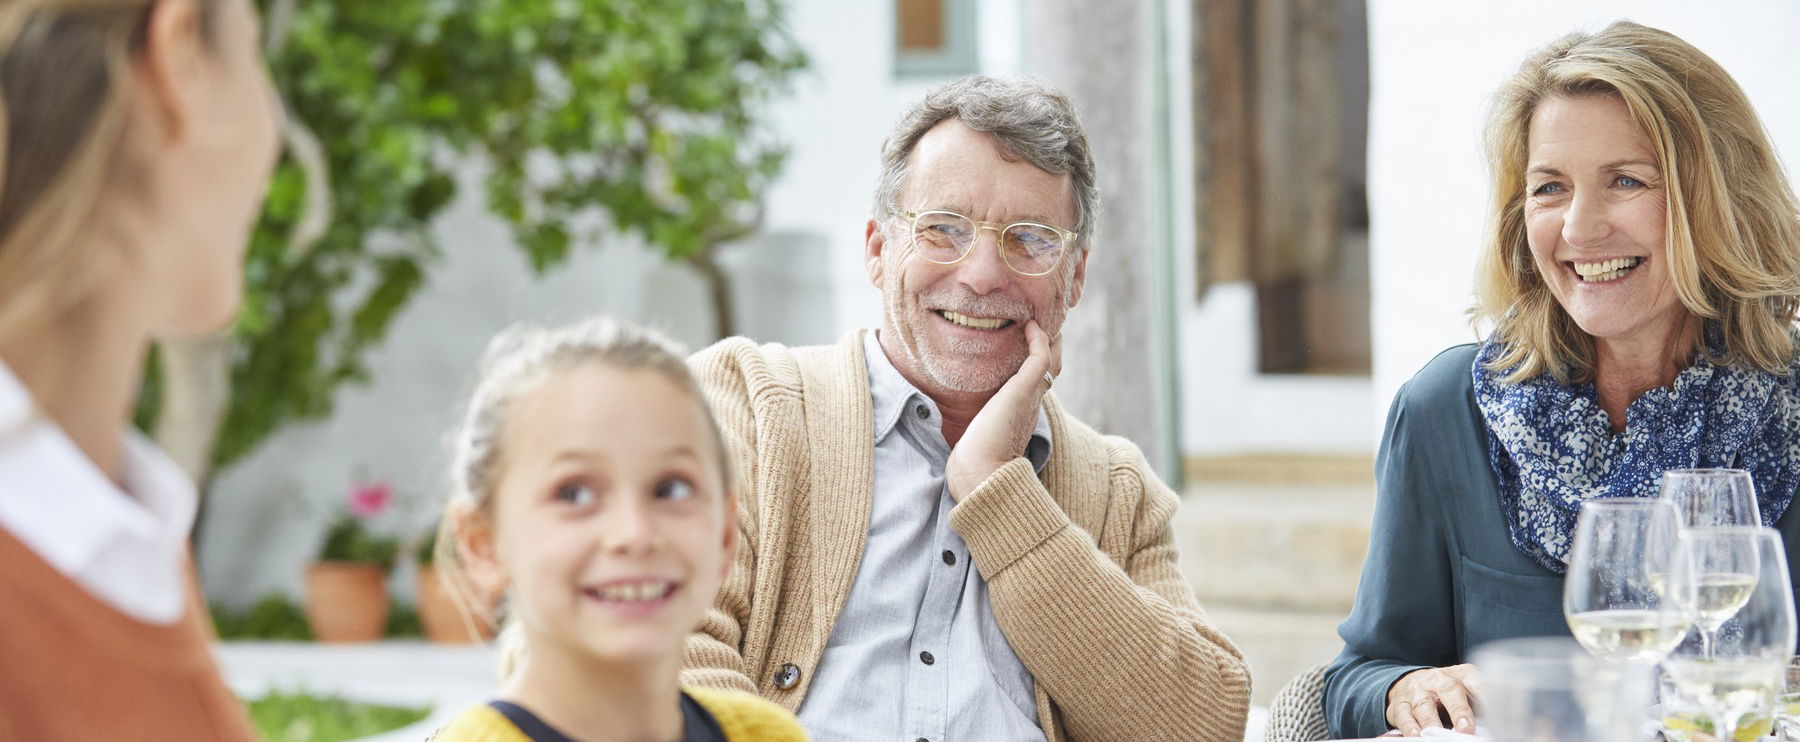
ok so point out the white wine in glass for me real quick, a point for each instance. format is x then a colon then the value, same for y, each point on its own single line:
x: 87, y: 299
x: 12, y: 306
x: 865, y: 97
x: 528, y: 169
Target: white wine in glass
x: 1615, y: 596
x: 1627, y: 635
x: 1720, y: 595
x: 1718, y: 567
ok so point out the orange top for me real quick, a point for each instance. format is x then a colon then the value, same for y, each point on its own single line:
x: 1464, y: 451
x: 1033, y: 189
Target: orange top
x: 75, y: 668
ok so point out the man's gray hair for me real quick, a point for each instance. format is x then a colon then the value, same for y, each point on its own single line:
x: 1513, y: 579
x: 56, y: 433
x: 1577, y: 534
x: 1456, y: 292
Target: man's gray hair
x: 1027, y: 119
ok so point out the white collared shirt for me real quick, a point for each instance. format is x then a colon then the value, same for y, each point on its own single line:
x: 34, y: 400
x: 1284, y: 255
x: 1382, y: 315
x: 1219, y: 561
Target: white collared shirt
x: 126, y: 547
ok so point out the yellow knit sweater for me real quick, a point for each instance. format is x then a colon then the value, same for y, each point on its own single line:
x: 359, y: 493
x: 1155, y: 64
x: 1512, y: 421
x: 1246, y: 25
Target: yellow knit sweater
x: 1081, y: 564
x: 742, y: 716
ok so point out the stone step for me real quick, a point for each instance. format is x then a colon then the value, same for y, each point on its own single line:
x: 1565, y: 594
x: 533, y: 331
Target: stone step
x: 1275, y: 546
x: 1279, y: 468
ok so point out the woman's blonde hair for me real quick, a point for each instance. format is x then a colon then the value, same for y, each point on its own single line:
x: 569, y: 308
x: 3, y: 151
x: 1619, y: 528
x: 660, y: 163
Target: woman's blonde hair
x: 518, y: 360
x: 64, y: 80
x: 1733, y: 225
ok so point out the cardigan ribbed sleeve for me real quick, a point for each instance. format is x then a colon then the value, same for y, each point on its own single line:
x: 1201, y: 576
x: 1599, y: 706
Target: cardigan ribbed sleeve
x: 1123, y: 648
x: 712, y: 657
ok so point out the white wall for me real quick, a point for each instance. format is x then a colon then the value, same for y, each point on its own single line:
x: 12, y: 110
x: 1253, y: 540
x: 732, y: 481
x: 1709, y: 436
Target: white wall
x: 1434, y: 65
x: 1227, y: 407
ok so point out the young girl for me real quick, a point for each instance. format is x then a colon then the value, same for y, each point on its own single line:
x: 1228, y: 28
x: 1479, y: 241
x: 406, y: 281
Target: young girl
x: 136, y: 142
x: 591, y: 483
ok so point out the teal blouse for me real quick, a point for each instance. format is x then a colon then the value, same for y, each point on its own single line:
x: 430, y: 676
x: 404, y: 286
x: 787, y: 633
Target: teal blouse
x: 1442, y: 575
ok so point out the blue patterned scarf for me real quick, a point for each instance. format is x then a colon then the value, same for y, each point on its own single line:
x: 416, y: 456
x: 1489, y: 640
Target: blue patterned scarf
x: 1552, y: 447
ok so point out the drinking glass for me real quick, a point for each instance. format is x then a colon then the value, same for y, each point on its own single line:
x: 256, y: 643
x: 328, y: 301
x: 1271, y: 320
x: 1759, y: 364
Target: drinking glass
x: 1618, y: 597
x: 1712, y: 497
x: 1787, y: 707
x: 1685, y: 720
x: 1714, y: 576
x: 1547, y: 689
x: 1742, y: 671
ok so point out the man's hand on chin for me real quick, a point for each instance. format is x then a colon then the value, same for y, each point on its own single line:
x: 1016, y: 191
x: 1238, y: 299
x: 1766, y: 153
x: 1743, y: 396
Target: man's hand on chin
x: 999, y: 431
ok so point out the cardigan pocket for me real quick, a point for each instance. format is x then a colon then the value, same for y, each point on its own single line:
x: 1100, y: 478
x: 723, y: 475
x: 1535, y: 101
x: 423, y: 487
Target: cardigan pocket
x: 1495, y: 604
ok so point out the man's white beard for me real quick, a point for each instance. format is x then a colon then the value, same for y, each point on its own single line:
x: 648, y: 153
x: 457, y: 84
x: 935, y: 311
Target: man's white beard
x: 964, y: 370
x: 949, y: 363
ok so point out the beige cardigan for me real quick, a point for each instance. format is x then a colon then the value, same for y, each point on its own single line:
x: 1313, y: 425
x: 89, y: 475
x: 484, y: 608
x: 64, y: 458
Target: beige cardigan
x: 1081, y: 566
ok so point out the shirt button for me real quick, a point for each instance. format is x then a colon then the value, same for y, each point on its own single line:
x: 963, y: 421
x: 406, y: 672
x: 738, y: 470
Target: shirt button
x: 922, y: 412
x: 787, y: 677
x: 926, y: 658
x: 950, y: 557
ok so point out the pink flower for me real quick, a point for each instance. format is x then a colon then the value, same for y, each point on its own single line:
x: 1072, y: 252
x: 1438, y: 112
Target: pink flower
x: 369, y: 499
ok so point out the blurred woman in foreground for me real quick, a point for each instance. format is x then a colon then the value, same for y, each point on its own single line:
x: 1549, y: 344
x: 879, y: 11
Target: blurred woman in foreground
x: 139, y: 136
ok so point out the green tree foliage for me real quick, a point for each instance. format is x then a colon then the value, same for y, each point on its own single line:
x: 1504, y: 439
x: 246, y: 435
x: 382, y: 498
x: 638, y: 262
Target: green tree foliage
x: 643, y: 113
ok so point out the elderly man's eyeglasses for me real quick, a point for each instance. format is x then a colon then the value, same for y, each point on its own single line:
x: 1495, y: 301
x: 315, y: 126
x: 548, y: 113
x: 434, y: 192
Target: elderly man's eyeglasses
x: 1028, y: 248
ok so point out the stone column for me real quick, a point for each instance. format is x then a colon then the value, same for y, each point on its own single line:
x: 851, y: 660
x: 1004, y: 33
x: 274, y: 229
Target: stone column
x: 1102, y: 53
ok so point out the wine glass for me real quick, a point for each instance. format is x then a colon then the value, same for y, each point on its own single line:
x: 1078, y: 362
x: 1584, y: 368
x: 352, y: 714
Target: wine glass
x: 1618, y: 597
x: 1742, y: 670
x: 1714, y: 577
x: 1712, y: 497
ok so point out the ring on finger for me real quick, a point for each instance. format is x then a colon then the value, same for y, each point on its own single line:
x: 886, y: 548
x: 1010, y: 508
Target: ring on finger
x: 1049, y: 380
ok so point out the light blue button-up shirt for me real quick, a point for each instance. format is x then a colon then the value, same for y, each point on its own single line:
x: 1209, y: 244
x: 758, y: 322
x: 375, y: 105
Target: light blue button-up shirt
x: 916, y: 653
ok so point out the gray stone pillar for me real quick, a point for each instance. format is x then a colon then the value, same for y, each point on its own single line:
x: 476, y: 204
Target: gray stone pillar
x: 1104, y: 55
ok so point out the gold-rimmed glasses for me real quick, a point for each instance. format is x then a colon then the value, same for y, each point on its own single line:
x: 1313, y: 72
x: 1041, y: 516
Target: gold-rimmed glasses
x: 1028, y: 248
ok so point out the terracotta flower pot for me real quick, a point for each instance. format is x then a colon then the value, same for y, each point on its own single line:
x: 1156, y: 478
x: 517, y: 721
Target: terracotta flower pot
x: 443, y: 621
x: 346, y: 601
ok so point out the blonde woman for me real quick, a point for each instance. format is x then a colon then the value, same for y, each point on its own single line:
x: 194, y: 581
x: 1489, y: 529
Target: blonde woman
x: 1641, y: 274
x: 138, y: 140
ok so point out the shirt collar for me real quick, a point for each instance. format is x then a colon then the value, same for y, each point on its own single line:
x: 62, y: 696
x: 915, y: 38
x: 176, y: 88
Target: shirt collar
x: 15, y: 404
x: 888, y: 390
x: 892, y: 395
x: 58, y: 503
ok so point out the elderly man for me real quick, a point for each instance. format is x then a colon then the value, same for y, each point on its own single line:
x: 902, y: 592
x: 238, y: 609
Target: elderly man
x: 930, y: 548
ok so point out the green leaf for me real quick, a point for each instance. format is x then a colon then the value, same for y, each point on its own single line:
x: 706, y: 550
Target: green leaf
x: 645, y: 113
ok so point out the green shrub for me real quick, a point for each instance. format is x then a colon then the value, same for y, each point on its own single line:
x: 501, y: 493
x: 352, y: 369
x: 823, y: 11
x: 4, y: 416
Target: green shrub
x: 272, y: 617
x: 426, y: 555
x: 275, y: 618
x: 403, y: 621
x: 303, y: 717
x: 349, y: 540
